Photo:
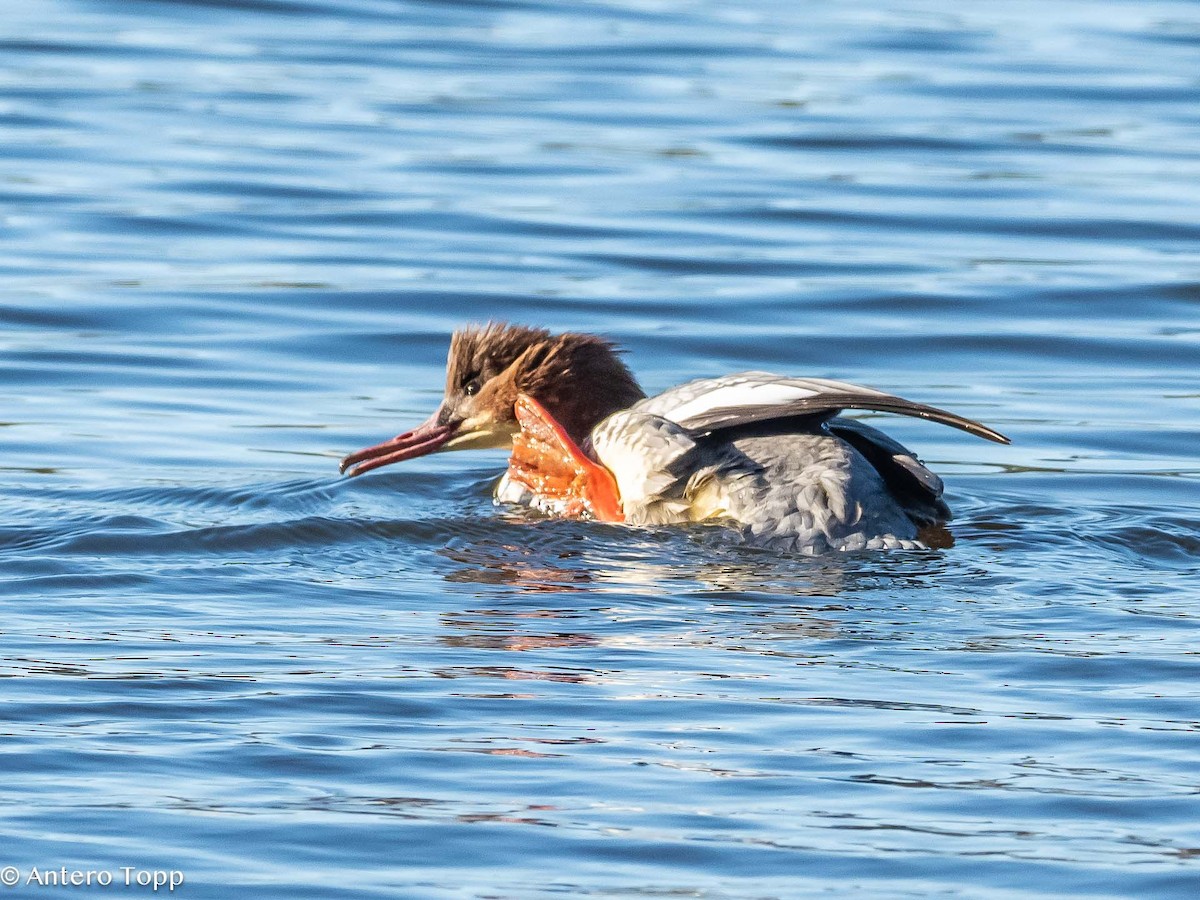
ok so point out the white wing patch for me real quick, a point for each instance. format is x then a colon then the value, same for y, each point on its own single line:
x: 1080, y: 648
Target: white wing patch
x: 744, y: 389
x: 641, y: 451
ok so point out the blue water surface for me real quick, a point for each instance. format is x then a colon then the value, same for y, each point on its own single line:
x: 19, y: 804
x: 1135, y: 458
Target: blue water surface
x: 236, y: 237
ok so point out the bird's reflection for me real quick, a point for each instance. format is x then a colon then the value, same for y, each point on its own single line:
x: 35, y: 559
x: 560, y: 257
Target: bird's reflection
x: 545, y: 559
x: 650, y: 589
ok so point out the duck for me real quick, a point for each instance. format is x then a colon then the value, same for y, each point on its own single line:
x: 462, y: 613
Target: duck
x: 770, y: 457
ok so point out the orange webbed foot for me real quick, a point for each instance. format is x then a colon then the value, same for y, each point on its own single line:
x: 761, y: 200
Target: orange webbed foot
x: 548, y: 462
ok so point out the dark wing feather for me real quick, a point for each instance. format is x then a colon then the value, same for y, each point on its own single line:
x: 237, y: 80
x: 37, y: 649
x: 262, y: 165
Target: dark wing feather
x: 827, y: 404
x: 916, y: 489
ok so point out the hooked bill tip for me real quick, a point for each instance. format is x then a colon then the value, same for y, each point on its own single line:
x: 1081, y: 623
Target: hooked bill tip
x: 427, y: 437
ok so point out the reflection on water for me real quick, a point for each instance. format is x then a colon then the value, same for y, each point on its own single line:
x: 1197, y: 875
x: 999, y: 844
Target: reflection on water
x: 675, y: 557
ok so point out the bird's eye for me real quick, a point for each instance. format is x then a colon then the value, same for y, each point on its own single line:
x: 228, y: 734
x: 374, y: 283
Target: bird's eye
x: 471, y: 388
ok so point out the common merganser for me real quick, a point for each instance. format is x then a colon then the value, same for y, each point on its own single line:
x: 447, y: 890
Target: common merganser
x: 765, y: 454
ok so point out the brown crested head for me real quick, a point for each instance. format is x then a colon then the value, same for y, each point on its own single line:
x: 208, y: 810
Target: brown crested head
x: 578, y: 378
